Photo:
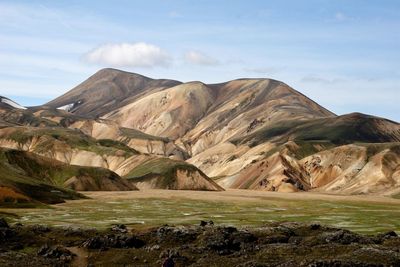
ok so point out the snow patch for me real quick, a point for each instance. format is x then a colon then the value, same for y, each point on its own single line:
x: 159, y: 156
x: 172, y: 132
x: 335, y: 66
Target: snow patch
x: 70, y: 106
x: 11, y: 103
x: 67, y: 107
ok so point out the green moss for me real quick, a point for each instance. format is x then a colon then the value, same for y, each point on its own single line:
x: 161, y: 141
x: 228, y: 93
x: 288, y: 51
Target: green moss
x: 272, y: 151
x: 375, y: 148
x: 136, y: 134
x: 267, y: 133
x: 306, y: 149
x: 178, y: 209
x: 53, y: 171
x: 26, y: 117
x: 163, y: 167
x: 42, y: 179
x: 113, y: 145
x: 73, y: 138
x: 158, y: 166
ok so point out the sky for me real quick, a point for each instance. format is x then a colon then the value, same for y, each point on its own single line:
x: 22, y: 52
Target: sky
x: 343, y: 54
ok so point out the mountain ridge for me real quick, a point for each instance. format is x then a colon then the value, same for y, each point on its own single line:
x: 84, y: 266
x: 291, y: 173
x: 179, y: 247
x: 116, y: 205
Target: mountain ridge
x: 105, y: 82
x: 249, y: 133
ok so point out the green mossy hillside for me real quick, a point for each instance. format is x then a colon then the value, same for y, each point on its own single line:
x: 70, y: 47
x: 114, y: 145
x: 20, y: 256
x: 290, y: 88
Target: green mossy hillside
x: 52, y: 136
x: 52, y: 171
x: 136, y: 134
x: 32, y: 188
x: 160, y: 167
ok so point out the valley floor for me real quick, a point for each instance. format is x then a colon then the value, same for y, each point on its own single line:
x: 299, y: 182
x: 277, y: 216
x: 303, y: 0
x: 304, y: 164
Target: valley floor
x: 236, y: 195
x: 152, y: 208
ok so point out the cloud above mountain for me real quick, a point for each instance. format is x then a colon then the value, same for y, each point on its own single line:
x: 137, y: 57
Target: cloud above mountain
x: 199, y: 58
x: 129, y: 55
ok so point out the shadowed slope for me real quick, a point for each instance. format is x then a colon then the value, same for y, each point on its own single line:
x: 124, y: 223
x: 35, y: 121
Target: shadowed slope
x: 349, y: 128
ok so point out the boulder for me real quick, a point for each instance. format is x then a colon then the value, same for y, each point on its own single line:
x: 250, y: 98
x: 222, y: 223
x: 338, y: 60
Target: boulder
x: 3, y: 223
x: 56, y: 252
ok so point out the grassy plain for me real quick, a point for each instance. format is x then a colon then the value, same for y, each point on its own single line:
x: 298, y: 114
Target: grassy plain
x: 142, y: 209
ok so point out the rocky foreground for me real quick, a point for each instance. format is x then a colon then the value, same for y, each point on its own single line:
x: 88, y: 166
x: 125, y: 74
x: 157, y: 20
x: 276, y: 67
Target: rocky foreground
x: 279, y: 244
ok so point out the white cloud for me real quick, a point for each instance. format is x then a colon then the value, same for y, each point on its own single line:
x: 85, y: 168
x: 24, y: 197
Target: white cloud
x: 174, y: 14
x: 263, y: 70
x: 340, y: 16
x: 129, y: 55
x: 198, y: 58
x: 321, y: 80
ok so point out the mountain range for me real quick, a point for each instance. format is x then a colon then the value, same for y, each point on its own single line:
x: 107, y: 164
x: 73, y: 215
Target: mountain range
x: 124, y: 131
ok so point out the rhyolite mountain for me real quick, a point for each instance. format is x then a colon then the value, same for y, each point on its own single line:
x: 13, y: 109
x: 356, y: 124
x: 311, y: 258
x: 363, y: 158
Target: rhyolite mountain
x: 247, y: 133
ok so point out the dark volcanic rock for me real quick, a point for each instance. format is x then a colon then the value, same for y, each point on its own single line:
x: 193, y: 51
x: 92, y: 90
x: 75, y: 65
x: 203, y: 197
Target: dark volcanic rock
x: 5, y: 234
x: 341, y: 263
x: 121, y: 228
x: 226, y: 240
x: 40, y: 229
x: 113, y: 241
x: 70, y: 231
x: 278, y: 244
x: 56, y: 252
x: 346, y: 237
x: 5, y: 231
x: 168, y: 262
x: 3, y: 223
x: 206, y: 223
x: 176, y: 235
x: 172, y: 256
x: 387, y: 235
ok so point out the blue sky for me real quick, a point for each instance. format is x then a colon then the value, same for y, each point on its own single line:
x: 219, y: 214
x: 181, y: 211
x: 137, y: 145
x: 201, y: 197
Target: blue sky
x: 343, y: 54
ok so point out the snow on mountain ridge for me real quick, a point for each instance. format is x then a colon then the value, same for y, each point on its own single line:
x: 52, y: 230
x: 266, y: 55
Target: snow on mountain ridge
x: 11, y: 103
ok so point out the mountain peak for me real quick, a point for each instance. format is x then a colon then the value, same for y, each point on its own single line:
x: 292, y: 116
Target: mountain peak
x: 113, y: 71
x: 107, y: 90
